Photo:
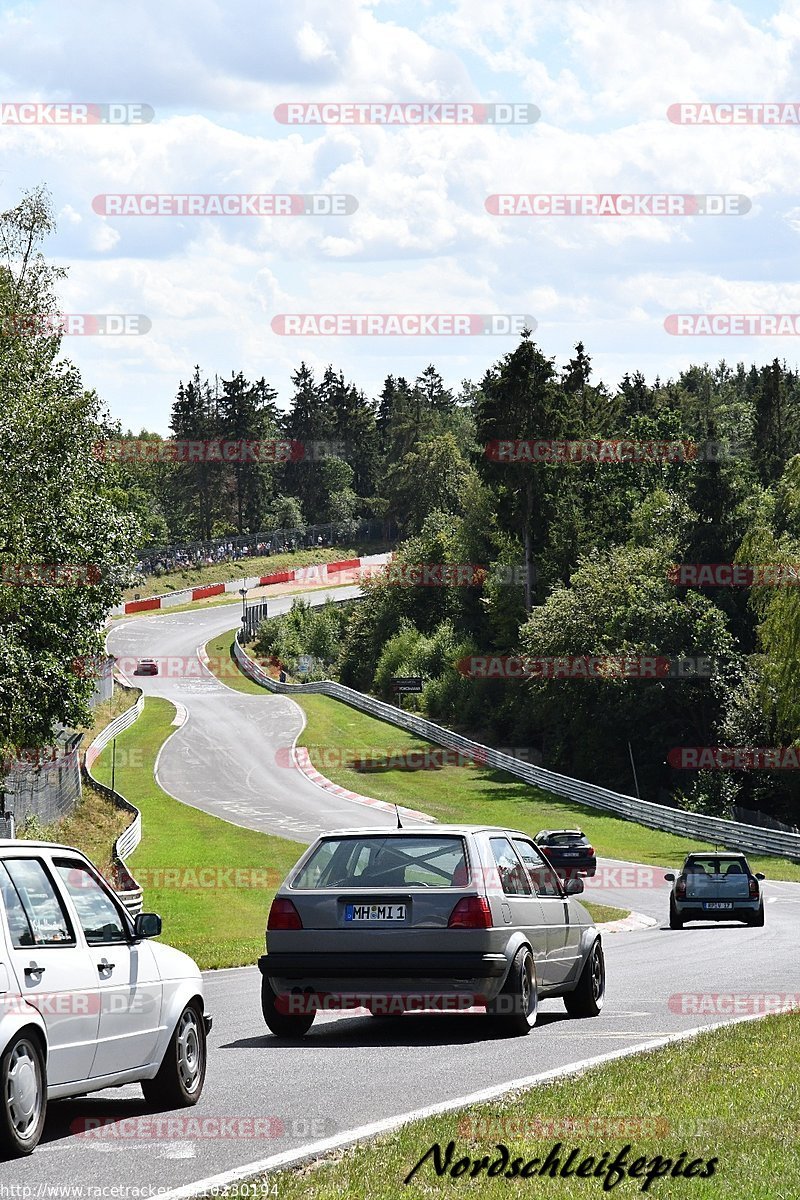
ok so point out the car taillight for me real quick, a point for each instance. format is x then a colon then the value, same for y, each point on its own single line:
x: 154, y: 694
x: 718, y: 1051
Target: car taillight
x: 753, y: 889
x: 590, y: 849
x: 283, y: 915
x: 472, y: 912
x: 680, y: 887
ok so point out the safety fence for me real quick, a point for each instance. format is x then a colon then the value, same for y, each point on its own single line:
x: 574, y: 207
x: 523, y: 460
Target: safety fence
x: 731, y: 834
x: 127, y: 888
x: 271, y: 541
x: 48, y: 788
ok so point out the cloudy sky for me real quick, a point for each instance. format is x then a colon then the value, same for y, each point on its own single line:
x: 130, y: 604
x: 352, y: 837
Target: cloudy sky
x: 601, y: 72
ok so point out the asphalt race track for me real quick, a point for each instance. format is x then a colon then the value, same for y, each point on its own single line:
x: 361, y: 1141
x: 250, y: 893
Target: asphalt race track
x: 352, y: 1070
x: 230, y: 758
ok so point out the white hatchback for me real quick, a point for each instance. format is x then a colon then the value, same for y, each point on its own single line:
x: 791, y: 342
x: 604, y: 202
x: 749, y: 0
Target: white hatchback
x: 86, y: 1002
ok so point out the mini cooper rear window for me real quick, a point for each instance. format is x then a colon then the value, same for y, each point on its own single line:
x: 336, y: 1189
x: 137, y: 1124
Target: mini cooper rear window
x: 721, y: 865
x: 377, y: 862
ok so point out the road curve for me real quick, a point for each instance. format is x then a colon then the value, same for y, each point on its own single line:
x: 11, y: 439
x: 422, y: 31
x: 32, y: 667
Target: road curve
x: 352, y: 1070
x: 231, y: 755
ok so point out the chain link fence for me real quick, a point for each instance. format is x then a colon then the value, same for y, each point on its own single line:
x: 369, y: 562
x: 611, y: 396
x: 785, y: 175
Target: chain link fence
x: 46, y: 784
x: 266, y: 542
x: 48, y: 789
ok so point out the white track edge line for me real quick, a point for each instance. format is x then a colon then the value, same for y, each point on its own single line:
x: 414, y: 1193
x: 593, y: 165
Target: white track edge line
x: 290, y: 1158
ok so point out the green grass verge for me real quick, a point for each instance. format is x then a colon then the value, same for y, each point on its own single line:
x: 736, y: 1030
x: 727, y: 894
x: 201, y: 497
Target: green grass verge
x: 186, y: 577
x: 226, y: 668
x: 336, y: 734
x: 211, y: 881
x: 604, y: 912
x: 731, y: 1095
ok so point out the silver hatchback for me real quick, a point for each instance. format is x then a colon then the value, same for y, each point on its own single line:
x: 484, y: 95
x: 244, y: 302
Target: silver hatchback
x: 444, y: 919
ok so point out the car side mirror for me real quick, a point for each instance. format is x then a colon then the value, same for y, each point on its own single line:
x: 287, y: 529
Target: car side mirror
x: 147, y: 925
x: 759, y: 875
x: 573, y: 887
x: 670, y: 878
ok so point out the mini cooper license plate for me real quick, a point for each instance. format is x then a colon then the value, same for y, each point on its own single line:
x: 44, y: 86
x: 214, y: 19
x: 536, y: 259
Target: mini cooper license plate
x: 374, y: 912
x: 717, y: 904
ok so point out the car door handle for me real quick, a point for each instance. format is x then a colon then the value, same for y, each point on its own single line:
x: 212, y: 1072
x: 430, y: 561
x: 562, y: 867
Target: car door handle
x: 105, y: 965
x: 33, y: 970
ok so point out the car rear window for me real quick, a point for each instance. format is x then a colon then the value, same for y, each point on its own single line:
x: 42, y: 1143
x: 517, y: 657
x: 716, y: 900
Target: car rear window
x: 718, y: 865
x: 565, y: 839
x: 372, y: 862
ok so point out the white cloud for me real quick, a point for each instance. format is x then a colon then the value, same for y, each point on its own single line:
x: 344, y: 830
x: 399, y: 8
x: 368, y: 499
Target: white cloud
x: 421, y: 239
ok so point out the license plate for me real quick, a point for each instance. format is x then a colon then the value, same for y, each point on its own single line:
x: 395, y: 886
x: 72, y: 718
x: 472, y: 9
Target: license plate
x: 374, y: 912
x: 570, y: 853
x: 716, y: 904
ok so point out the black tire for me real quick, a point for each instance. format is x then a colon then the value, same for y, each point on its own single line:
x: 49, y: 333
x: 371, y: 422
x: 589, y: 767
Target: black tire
x: 757, y: 918
x: 675, y: 921
x: 283, y: 1024
x: 516, y: 1007
x: 589, y: 994
x: 180, y: 1078
x: 23, y: 1096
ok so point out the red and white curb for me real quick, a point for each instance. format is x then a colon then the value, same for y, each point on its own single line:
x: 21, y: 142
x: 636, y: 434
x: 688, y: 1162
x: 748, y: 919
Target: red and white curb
x: 303, y: 763
x: 348, y: 569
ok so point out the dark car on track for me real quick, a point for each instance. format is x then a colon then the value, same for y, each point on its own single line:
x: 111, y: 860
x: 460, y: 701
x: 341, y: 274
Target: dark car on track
x: 454, y: 917
x: 715, y: 885
x: 146, y: 666
x: 568, y: 851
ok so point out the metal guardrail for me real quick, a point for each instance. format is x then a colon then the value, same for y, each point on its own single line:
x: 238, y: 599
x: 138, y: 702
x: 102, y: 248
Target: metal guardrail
x: 130, y: 893
x: 732, y: 834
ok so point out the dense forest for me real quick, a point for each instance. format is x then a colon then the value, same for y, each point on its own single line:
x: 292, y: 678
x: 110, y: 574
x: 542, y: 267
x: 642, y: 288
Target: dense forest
x: 333, y: 456
x: 587, y: 557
